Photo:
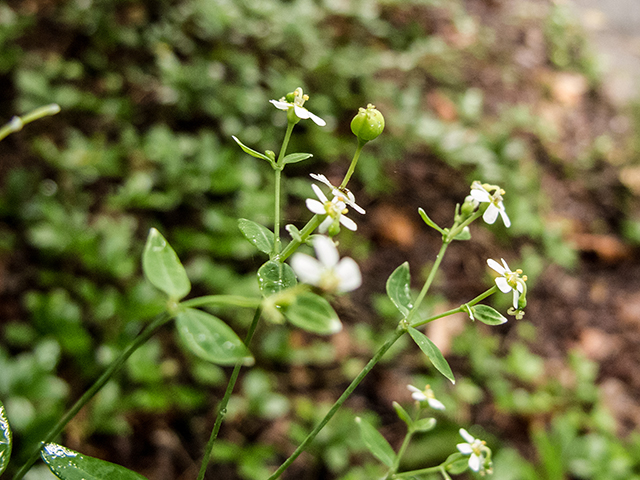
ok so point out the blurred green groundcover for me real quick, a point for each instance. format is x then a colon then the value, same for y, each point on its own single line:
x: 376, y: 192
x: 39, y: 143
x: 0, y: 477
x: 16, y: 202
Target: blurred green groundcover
x: 151, y: 93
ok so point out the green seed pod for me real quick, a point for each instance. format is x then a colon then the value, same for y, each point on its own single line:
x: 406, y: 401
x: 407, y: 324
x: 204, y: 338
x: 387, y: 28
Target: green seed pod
x: 368, y: 123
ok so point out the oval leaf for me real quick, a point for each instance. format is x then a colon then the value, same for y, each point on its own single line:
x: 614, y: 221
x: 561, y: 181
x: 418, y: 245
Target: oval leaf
x: 162, y: 267
x: 313, y: 313
x: 261, y: 237
x: 210, y: 338
x: 296, y: 157
x: 425, y: 424
x: 433, y: 352
x: 398, y: 288
x: 273, y: 277
x: 70, y: 465
x: 488, y: 315
x: 6, y: 441
x: 376, y: 443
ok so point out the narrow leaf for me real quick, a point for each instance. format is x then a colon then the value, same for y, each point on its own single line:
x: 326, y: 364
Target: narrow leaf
x: 6, y: 439
x: 398, y: 288
x: 273, y: 277
x: 70, y: 465
x: 210, y: 338
x: 432, y: 352
x: 296, y: 157
x: 313, y: 313
x: 252, y: 152
x: 261, y: 237
x: 428, y: 221
x: 162, y: 267
x: 403, y: 414
x: 376, y: 443
x: 488, y: 315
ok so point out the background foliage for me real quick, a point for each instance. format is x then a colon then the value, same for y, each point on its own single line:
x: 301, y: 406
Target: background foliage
x: 151, y: 92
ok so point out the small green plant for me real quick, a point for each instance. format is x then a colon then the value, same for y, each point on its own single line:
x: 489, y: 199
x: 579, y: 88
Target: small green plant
x: 299, y: 292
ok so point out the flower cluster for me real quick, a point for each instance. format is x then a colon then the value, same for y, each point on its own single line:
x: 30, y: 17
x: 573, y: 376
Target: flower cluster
x: 293, y: 102
x: 479, y: 453
x: 482, y: 193
x: 335, y: 209
x: 426, y: 395
x: 510, y: 281
x: 327, y: 272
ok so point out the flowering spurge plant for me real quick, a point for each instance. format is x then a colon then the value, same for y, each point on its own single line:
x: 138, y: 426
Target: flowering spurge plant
x: 299, y: 293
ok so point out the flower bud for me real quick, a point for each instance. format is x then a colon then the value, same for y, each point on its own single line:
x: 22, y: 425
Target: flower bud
x: 469, y: 206
x: 367, y: 124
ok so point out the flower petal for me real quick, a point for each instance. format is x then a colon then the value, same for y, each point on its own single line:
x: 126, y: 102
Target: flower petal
x: 319, y: 193
x: 315, y: 206
x: 301, y: 112
x: 503, y: 285
x: 505, y: 218
x: 280, y: 105
x: 516, y: 296
x: 490, y: 214
x: 348, y: 223
x: 474, y: 462
x: 308, y: 269
x: 321, y: 178
x: 436, y: 404
x: 316, y: 119
x: 496, y: 266
x: 464, y: 448
x: 480, y: 195
x: 326, y: 251
x: 466, y: 435
x: 349, y: 274
x: 326, y: 223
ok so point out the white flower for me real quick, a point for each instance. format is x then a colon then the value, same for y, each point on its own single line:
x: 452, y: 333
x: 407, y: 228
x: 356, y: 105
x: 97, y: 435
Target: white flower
x: 509, y: 281
x: 343, y: 194
x: 327, y: 271
x: 335, y: 210
x: 480, y: 193
x: 426, y: 395
x: 297, y: 104
x: 478, y: 451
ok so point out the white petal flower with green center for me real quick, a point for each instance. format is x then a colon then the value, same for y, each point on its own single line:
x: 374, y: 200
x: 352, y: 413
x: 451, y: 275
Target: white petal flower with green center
x: 295, y: 101
x: 509, y: 281
x: 479, y: 453
x: 328, y: 271
x: 481, y: 193
x: 335, y: 210
x: 343, y: 194
x: 426, y: 395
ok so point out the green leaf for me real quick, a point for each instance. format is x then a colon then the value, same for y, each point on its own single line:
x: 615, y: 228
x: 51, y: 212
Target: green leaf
x: 398, y: 288
x: 296, y: 157
x: 252, y: 152
x: 273, y: 277
x: 313, y: 313
x: 162, y: 267
x: 261, y: 237
x: 428, y: 221
x: 6, y: 439
x: 433, y: 352
x: 70, y: 465
x: 465, y: 234
x: 210, y: 338
x: 457, y: 463
x: 425, y: 424
x: 488, y: 315
x: 376, y: 443
x: 403, y: 414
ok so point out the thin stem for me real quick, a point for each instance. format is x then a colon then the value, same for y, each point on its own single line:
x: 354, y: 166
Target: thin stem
x: 222, y: 407
x: 16, y: 123
x: 336, y: 406
x: 354, y: 162
x: 235, y: 300
x: 293, y: 245
x: 429, y: 281
x: 415, y: 473
x: 278, y: 180
x: 147, y: 333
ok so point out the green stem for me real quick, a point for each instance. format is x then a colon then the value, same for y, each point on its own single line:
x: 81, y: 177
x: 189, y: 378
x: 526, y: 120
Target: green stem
x: 415, y: 473
x: 429, y: 281
x: 293, y: 245
x: 16, y: 123
x: 222, y: 408
x: 235, y: 300
x: 278, y: 181
x: 336, y: 406
x: 147, y: 333
x: 354, y: 162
